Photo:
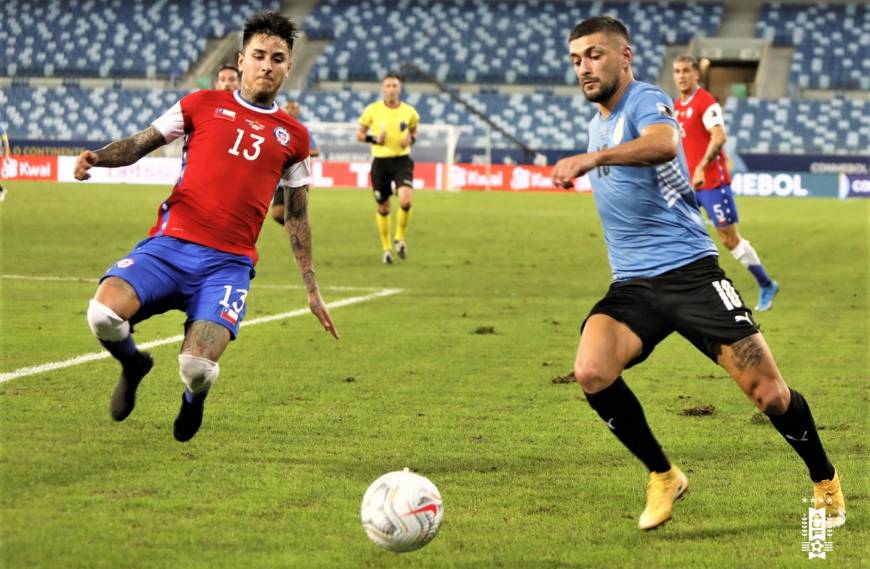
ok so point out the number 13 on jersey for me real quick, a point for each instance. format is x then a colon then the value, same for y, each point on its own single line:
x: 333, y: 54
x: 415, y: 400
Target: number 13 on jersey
x: 251, y: 152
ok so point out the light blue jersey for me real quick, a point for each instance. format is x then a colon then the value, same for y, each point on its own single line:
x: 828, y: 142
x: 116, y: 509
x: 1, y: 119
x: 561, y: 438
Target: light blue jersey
x: 650, y: 216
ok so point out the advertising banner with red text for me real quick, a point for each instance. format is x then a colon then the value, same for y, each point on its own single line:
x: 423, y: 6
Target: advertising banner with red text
x: 17, y: 167
x: 428, y: 175
x: 498, y: 177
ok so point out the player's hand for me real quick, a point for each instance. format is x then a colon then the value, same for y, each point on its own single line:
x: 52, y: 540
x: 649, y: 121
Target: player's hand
x: 84, y: 162
x: 381, y: 137
x: 572, y: 167
x: 318, y: 308
x: 698, y: 177
x: 406, y: 142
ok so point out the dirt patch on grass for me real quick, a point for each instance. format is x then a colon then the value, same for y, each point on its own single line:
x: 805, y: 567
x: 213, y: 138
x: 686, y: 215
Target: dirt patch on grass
x: 567, y: 378
x: 484, y: 330
x: 699, y: 411
x: 759, y: 419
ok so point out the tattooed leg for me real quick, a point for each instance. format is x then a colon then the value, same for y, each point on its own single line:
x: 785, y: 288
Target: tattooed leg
x: 203, y: 345
x: 205, y: 339
x: 750, y: 362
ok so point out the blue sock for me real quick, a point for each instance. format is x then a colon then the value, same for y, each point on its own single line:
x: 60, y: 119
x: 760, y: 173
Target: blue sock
x: 122, y: 350
x: 760, y: 275
x: 189, y: 395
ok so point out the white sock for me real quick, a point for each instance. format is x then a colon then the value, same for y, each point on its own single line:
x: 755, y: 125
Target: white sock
x: 745, y: 253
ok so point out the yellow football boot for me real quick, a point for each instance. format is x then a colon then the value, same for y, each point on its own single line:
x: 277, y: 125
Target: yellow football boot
x: 829, y: 494
x: 662, y: 490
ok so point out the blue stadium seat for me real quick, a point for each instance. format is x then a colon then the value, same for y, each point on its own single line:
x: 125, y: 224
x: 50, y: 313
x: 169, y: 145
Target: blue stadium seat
x: 789, y: 126
x: 488, y: 42
x: 543, y: 121
x: 115, y: 38
x: 832, y: 42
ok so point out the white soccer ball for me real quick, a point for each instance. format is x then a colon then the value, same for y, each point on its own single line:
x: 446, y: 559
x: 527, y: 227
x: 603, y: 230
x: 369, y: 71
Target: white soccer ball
x: 401, y: 511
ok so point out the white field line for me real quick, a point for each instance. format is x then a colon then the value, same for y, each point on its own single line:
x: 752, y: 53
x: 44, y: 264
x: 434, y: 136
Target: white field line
x: 93, y: 356
x: 254, y: 284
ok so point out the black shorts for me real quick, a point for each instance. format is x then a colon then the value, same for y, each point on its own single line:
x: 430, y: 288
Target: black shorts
x: 279, y: 195
x: 697, y: 300
x: 388, y: 171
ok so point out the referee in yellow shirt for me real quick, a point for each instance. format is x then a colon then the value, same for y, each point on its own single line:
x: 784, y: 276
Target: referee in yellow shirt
x: 390, y: 126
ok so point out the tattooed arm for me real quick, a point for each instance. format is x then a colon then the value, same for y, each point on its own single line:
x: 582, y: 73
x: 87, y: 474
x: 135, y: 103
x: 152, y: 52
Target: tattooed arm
x: 119, y: 153
x: 299, y: 231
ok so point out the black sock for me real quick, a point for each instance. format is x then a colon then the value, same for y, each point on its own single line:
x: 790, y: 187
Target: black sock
x: 799, y: 429
x: 622, y: 412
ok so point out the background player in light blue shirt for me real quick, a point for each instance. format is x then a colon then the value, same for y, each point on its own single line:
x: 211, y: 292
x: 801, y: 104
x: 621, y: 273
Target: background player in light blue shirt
x: 4, y: 141
x: 666, y: 275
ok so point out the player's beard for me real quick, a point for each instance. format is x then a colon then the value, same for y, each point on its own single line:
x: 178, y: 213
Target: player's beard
x: 605, y: 91
x: 263, y: 95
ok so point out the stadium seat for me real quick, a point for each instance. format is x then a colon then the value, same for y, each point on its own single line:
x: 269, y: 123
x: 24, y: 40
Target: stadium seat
x: 488, y: 42
x: 832, y: 42
x: 836, y: 126
x: 543, y: 121
x: 115, y: 38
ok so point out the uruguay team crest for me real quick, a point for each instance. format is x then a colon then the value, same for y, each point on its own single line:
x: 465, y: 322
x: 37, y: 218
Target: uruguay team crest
x: 281, y: 135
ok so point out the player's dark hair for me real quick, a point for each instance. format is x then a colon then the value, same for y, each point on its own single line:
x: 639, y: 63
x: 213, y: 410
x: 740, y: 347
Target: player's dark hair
x: 270, y: 24
x: 226, y: 66
x: 606, y: 24
x: 391, y: 76
x: 690, y: 60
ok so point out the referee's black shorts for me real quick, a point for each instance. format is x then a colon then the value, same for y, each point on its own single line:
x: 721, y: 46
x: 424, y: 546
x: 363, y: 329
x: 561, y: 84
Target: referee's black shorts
x: 386, y: 172
x: 278, y: 198
x: 697, y: 300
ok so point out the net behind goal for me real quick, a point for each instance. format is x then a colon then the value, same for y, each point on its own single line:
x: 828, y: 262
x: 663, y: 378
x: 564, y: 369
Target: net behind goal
x: 337, y: 142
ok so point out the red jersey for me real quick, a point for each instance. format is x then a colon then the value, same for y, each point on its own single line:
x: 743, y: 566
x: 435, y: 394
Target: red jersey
x: 234, y: 154
x: 697, y: 115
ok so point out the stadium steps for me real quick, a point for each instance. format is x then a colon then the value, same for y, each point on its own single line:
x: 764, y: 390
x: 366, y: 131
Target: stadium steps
x: 739, y: 19
x: 216, y: 53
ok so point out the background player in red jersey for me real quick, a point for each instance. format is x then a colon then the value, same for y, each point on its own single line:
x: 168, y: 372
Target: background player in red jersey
x: 703, y: 132
x: 227, y: 78
x: 200, y: 255
x: 292, y: 108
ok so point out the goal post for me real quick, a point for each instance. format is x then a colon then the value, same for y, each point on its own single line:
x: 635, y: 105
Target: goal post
x: 435, y: 143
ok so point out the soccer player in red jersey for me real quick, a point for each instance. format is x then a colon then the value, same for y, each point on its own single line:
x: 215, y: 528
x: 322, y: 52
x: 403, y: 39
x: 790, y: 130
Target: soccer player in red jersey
x: 227, y: 78
x: 199, y: 257
x: 292, y: 108
x: 702, y: 128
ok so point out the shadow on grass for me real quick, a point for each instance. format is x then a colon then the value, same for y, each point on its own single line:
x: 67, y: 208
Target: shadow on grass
x: 754, y: 531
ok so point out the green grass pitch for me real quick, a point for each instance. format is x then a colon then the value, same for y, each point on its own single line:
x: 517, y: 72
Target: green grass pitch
x: 299, y: 424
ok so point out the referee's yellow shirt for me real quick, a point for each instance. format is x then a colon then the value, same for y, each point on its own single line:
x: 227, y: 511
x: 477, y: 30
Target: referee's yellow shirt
x: 395, y: 122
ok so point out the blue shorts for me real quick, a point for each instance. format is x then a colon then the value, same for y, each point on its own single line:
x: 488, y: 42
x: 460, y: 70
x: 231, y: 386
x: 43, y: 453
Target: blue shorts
x: 719, y: 205
x: 168, y: 273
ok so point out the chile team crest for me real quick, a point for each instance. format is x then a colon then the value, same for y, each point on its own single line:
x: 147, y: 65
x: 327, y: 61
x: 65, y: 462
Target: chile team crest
x: 282, y: 135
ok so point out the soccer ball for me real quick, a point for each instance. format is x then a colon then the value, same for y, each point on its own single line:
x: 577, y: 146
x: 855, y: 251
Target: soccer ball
x: 401, y: 511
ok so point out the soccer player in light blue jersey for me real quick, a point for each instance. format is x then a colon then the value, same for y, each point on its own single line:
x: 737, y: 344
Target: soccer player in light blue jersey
x: 7, y: 153
x: 666, y: 277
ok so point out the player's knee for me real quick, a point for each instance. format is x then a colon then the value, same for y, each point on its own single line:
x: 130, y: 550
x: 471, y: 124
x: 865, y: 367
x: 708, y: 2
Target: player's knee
x: 384, y: 208
x: 772, y: 398
x: 105, y: 323
x: 590, y: 377
x: 197, y: 373
x: 405, y: 205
